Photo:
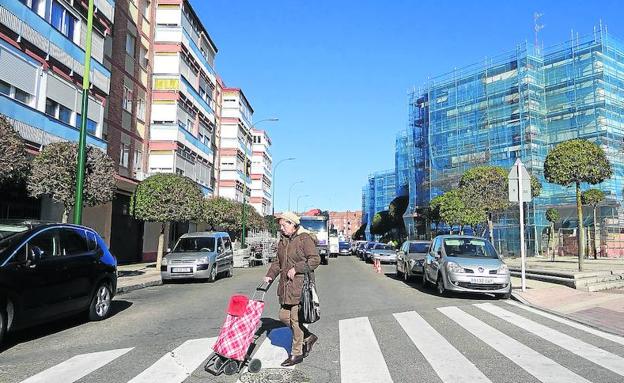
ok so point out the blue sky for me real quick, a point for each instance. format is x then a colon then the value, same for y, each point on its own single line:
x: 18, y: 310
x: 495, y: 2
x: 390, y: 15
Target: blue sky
x: 337, y: 73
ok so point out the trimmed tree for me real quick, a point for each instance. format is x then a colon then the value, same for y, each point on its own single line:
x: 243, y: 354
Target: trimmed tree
x: 454, y: 211
x: 381, y: 223
x: 359, y: 233
x: 13, y: 158
x: 572, y: 162
x: 433, y: 213
x: 53, y: 173
x: 552, y: 215
x: 485, y: 188
x: 166, y: 198
x: 593, y: 197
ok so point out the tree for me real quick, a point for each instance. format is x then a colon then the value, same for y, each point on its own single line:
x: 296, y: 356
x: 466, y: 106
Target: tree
x: 572, y: 162
x: 166, y: 198
x: 359, y: 233
x: 552, y: 215
x: 13, y: 158
x: 270, y: 223
x: 485, y: 188
x: 53, y: 173
x: 454, y: 211
x: 381, y: 223
x: 536, y: 187
x: 396, y: 209
x: 222, y: 214
x: 593, y: 197
x: 433, y: 213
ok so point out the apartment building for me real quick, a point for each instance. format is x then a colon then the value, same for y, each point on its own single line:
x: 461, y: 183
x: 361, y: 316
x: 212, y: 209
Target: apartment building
x: 41, y: 68
x: 377, y: 194
x: 345, y: 223
x: 182, y: 135
x: 261, y: 172
x: 236, y: 145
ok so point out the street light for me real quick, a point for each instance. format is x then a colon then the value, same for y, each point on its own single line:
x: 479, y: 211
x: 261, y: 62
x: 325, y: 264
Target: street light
x: 298, y: 198
x: 290, y: 190
x: 248, y: 174
x: 274, y: 170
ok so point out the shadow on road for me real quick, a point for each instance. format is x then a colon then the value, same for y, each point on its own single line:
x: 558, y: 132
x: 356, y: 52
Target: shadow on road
x: 49, y: 328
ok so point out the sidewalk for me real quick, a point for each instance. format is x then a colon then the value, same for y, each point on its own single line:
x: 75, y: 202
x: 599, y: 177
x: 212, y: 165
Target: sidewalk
x: 137, y: 276
x: 603, y: 310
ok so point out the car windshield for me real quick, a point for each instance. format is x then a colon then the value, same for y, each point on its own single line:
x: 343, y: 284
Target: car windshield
x: 383, y: 247
x: 318, y: 226
x: 344, y: 245
x: 418, y: 247
x: 469, y: 248
x: 195, y: 244
x: 9, y: 230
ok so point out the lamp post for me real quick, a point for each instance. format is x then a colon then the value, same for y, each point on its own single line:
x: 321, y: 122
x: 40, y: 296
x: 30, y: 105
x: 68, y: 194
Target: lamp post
x: 290, y: 190
x: 247, y: 175
x: 298, y: 198
x: 273, y: 193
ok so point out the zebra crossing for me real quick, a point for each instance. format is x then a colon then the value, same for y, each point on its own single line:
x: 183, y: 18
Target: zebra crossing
x: 494, y: 326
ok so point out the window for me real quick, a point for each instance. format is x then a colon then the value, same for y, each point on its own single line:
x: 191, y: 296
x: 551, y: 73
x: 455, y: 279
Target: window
x: 91, y: 125
x: 130, y: 43
x: 146, y: 8
x: 140, y: 108
x: 124, y: 152
x: 62, y: 19
x: 227, y: 244
x: 5, y: 88
x: 16, y: 93
x: 143, y: 56
x: 91, y: 241
x: 73, y: 242
x: 138, y: 160
x: 127, y: 99
x: 58, y: 111
x: 47, y: 241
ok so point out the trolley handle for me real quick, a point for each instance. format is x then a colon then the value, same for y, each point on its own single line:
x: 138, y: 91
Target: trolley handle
x: 264, y: 286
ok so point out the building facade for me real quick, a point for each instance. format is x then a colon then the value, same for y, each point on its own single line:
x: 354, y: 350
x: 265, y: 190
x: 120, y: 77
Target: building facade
x: 236, y: 145
x: 520, y: 105
x: 377, y: 194
x: 261, y: 172
x: 182, y: 135
x: 345, y: 223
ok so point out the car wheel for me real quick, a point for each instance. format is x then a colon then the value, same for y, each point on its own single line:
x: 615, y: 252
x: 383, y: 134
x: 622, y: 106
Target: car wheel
x: 100, y: 303
x: 213, y: 273
x: 440, y: 285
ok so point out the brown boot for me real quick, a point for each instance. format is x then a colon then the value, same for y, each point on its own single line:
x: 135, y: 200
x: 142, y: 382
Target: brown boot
x: 308, y: 343
x: 292, y: 360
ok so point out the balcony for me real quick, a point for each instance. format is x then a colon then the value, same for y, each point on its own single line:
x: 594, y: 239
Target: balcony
x: 30, y: 26
x: 187, y: 88
x: 173, y: 132
x: 35, y: 125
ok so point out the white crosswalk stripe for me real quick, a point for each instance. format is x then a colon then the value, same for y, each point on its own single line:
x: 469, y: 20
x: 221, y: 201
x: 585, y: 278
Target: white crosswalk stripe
x: 77, y: 367
x: 361, y: 359
x: 536, y: 364
x: 585, y: 350
x: 590, y: 330
x: 177, y: 365
x: 448, y: 363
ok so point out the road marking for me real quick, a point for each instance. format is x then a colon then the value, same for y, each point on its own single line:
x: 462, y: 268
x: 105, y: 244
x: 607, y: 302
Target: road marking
x: 591, y: 330
x: 446, y: 360
x: 361, y: 359
x: 544, y: 369
x: 585, y: 350
x: 77, y: 367
x: 177, y: 365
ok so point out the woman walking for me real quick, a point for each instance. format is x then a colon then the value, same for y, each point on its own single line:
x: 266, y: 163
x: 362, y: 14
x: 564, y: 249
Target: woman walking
x: 296, y: 255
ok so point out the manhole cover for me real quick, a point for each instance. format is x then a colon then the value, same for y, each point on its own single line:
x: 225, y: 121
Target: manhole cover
x: 275, y: 375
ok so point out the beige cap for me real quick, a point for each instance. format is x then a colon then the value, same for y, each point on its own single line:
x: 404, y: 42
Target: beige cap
x: 290, y: 216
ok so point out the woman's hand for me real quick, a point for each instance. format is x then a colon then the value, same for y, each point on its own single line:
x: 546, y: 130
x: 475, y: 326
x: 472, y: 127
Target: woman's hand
x: 291, y: 273
x: 267, y: 279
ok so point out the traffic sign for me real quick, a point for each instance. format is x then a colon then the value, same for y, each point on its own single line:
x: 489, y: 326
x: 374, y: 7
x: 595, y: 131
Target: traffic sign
x: 525, y: 182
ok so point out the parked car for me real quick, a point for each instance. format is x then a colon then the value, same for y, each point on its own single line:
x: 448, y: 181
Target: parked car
x: 410, y: 258
x: 384, y: 253
x: 366, y: 251
x: 201, y: 255
x: 360, y: 249
x: 52, y: 270
x: 354, y: 246
x: 466, y: 264
x: 344, y: 248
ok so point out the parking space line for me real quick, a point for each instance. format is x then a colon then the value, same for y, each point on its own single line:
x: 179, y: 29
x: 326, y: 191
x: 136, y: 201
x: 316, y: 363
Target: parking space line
x: 361, y: 359
x: 77, y: 367
x: 446, y: 360
x: 544, y: 369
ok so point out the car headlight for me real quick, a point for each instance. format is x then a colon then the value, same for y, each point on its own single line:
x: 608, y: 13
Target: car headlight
x: 503, y: 269
x: 454, y: 267
x: 163, y: 261
x: 202, y: 260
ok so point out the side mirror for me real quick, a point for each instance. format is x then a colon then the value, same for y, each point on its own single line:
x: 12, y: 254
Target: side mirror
x: 438, y: 255
x: 220, y: 249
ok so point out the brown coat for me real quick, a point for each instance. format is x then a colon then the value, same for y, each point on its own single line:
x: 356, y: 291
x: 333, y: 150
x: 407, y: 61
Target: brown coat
x: 293, y: 252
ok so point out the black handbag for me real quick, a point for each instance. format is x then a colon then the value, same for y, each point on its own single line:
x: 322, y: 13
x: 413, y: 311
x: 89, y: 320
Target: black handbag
x: 309, y: 307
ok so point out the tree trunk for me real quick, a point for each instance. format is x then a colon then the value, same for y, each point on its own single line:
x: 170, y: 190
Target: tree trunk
x: 581, y: 233
x: 595, y: 236
x: 491, y: 228
x: 161, y: 245
x: 551, y: 240
x: 65, y: 216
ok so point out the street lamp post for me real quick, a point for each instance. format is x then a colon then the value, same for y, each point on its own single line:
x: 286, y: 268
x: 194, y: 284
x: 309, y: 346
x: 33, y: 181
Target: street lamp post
x: 298, y: 198
x: 290, y: 190
x: 273, y: 193
x: 247, y: 175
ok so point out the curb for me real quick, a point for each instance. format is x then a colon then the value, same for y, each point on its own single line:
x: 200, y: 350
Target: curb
x: 126, y: 289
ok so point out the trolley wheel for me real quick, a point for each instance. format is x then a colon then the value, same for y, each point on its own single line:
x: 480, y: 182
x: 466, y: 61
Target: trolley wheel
x: 231, y: 367
x: 218, y: 364
x: 255, y: 365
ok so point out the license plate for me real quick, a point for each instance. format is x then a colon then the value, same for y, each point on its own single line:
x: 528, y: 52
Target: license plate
x: 481, y: 281
x: 181, y: 269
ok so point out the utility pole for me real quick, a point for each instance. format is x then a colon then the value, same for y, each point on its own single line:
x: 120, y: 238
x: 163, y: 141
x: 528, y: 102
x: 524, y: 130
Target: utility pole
x: 82, y: 141
x: 244, y: 206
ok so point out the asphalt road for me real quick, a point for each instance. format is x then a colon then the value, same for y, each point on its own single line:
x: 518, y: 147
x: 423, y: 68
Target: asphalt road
x: 430, y: 339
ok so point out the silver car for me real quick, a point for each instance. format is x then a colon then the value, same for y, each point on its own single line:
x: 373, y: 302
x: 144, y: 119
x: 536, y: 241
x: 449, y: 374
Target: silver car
x: 466, y: 264
x: 383, y: 253
x: 201, y: 255
x: 411, y: 258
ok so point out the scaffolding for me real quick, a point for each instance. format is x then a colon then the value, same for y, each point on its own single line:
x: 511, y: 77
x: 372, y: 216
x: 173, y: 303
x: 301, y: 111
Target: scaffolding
x: 519, y: 105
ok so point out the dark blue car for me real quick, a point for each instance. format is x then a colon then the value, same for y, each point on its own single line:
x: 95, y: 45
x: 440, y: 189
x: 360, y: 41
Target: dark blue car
x: 48, y: 271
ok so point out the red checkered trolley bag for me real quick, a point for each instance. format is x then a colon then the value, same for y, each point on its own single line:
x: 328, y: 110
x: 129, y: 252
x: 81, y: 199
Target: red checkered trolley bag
x: 231, y: 351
